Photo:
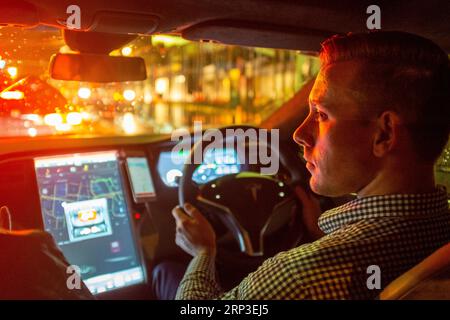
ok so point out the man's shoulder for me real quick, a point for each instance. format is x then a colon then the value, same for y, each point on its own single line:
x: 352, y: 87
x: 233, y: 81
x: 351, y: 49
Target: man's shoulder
x: 24, y: 241
x: 34, y: 268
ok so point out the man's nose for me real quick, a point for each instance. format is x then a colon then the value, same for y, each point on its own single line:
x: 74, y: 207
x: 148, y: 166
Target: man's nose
x: 303, y: 135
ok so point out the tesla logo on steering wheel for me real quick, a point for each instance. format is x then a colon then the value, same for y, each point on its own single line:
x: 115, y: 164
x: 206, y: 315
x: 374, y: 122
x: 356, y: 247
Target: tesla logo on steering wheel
x: 254, y: 189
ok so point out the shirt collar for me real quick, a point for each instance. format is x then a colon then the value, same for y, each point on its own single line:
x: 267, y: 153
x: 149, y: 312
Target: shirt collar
x: 392, y: 205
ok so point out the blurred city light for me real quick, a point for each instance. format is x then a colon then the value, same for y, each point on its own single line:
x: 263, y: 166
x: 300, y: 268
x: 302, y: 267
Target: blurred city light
x: 12, y: 72
x: 53, y: 119
x: 129, y: 94
x: 117, y: 96
x: 65, y: 49
x: 32, y: 117
x: 11, y: 95
x: 126, y: 51
x: 74, y: 118
x: 32, y: 132
x: 64, y: 127
x: 86, y: 115
x: 188, y: 80
x: 169, y: 41
x: 148, y: 98
x: 176, y: 95
x: 129, y: 123
x: 180, y: 79
x: 161, y: 85
x: 84, y: 93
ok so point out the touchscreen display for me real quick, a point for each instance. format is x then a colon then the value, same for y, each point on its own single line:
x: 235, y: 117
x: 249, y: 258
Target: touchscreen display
x: 84, y: 207
x: 141, y: 180
x: 217, y: 163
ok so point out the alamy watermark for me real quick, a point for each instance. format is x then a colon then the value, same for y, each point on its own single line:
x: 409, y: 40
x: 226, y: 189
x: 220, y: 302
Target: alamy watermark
x: 253, y: 146
x: 373, y: 22
x: 374, y: 280
x: 73, y: 281
x: 73, y: 21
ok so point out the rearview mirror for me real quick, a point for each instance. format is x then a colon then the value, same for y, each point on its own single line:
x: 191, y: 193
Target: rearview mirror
x: 96, y: 67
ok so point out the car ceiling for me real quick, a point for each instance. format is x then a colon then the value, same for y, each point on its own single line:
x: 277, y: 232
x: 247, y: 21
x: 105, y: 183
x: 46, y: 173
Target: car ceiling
x: 298, y: 25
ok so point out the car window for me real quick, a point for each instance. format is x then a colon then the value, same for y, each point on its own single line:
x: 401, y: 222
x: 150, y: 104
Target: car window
x: 186, y: 82
x: 442, y: 169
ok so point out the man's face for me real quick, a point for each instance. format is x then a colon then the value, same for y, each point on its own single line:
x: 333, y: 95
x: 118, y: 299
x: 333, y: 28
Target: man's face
x: 337, y: 140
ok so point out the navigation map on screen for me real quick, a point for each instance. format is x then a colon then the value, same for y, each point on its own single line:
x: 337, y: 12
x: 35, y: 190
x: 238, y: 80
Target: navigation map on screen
x: 85, y: 209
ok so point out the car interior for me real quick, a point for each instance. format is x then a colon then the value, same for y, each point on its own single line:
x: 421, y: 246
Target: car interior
x: 93, y: 94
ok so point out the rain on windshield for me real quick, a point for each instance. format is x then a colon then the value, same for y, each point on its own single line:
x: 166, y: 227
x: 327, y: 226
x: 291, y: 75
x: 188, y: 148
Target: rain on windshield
x: 186, y: 82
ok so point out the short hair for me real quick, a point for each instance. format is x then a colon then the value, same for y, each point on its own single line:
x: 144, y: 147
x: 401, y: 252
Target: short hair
x: 402, y: 72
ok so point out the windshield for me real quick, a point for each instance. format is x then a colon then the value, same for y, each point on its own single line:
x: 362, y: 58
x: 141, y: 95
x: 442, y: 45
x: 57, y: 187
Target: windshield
x: 186, y: 82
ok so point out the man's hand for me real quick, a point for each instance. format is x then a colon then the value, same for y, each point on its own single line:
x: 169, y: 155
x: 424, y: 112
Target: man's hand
x: 194, y: 234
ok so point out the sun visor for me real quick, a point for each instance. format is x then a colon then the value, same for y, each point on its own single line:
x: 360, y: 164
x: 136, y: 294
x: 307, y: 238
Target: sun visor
x: 256, y: 35
x: 124, y: 23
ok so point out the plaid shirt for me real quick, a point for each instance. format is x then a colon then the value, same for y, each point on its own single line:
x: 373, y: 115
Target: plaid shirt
x: 393, y: 232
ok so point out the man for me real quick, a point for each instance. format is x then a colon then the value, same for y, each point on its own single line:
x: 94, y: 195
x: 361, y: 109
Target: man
x: 379, y: 118
x: 32, y: 267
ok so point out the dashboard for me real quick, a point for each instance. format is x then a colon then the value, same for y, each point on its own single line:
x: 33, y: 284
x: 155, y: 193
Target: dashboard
x: 106, y: 201
x: 84, y: 207
x: 216, y: 163
x: 101, y: 203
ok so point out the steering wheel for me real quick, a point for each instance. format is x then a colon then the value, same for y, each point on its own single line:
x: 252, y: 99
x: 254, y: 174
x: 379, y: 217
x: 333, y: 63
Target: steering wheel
x: 254, y: 207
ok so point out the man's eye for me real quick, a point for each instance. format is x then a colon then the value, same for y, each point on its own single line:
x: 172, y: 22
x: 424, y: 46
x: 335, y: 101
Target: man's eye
x: 320, y: 116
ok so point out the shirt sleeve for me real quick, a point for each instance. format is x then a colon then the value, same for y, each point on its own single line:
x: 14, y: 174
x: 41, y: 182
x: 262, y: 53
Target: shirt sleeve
x: 272, y: 280
x: 199, y: 281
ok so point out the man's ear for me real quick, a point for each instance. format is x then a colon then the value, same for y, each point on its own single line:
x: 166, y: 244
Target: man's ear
x: 386, y: 134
